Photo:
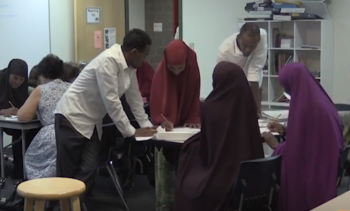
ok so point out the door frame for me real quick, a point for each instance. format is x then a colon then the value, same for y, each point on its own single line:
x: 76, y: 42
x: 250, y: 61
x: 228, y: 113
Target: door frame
x: 126, y: 5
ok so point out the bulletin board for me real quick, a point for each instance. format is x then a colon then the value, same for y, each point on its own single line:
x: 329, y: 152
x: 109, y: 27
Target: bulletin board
x: 98, y: 25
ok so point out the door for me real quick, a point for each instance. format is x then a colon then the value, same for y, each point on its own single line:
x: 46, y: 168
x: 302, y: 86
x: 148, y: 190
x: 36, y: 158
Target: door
x: 98, y: 24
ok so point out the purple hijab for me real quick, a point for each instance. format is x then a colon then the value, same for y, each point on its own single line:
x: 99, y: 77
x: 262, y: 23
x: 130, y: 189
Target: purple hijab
x: 314, y: 141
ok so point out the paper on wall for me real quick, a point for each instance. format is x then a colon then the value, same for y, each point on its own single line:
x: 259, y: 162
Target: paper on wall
x: 110, y: 37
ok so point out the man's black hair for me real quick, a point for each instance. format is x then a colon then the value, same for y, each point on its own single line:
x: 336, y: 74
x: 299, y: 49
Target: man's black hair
x: 136, y: 38
x: 250, y: 29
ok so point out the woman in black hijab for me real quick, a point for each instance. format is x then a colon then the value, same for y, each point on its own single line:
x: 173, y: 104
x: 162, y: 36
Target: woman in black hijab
x: 209, y: 162
x: 13, y: 87
x: 14, y: 90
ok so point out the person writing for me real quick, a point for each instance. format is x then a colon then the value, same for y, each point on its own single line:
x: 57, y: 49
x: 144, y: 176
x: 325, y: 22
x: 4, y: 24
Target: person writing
x: 247, y: 49
x: 176, y: 88
x: 174, y: 103
x: 96, y: 92
x: 310, y: 154
x: 209, y: 162
x: 40, y: 158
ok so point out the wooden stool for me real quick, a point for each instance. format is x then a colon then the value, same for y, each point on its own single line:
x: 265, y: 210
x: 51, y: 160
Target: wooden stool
x: 55, y: 188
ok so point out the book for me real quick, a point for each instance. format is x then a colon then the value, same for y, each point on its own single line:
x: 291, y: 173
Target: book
x: 282, y: 17
x: 281, y: 59
x: 281, y: 5
x: 297, y: 16
x: 295, y: 2
x: 292, y: 10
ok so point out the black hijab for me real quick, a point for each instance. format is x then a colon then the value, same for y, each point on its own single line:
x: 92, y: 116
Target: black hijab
x: 8, y: 94
x: 209, y: 162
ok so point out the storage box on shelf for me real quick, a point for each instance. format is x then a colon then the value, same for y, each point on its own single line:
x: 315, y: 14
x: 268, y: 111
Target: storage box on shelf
x: 307, y: 41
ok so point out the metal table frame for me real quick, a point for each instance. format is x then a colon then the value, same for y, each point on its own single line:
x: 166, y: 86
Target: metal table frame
x: 17, y: 125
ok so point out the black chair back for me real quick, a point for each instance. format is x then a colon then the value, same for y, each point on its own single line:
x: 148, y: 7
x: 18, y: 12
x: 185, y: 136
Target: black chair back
x: 256, y: 184
x: 342, y: 107
x: 344, y: 164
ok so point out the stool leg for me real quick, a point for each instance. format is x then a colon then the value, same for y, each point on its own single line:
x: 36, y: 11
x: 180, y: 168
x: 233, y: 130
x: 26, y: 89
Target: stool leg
x: 75, y: 202
x: 64, y: 204
x: 28, y: 204
x: 39, y: 205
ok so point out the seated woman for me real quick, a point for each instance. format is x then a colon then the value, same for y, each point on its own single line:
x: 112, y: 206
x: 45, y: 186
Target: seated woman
x: 145, y: 75
x: 40, y: 158
x: 13, y: 94
x: 71, y: 72
x: 209, y: 161
x: 313, y: 144
x: 174, y: 95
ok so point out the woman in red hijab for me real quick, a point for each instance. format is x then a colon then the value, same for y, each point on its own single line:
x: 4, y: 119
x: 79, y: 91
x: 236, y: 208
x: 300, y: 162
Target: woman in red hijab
x: 175, y: 95
x: 176, y: 87
x: 145, y: 75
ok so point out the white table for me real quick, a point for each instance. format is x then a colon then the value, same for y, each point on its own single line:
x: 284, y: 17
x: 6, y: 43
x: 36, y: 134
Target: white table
x: 340, y: 203
x: 17, y: 125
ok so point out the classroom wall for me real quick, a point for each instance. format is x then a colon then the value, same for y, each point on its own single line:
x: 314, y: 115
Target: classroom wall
x: 159, y: 11
x: 339, y: 10
x: 62, y: 29
x: 208, y: 25
x: 137, y: 14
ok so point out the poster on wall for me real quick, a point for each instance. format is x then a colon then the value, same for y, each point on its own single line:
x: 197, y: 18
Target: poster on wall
x: 157, y: 27
x: 93, y: 15
x: 98, y: 39
x: 110, y: 37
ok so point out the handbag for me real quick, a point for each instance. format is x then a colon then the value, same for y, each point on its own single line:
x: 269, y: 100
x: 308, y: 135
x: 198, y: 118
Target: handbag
x: 9, y: 199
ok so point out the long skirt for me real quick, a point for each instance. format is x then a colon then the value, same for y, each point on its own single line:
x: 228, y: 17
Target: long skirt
x: 165, y: 182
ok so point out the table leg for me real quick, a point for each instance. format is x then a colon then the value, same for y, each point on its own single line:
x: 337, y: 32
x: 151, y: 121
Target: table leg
x: 24, y: 152
x: 2, y: 154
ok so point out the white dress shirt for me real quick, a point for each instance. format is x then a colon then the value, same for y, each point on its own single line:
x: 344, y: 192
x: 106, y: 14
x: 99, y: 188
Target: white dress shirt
x: 96, y: 92
x: 252, y: 65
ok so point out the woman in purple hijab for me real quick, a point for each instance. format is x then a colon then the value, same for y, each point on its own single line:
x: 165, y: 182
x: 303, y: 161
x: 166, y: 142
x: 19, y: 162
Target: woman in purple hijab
x: 313, y: 143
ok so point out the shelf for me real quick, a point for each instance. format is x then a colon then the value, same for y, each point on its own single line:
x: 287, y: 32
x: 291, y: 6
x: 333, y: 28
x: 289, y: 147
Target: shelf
x: 318, y: 33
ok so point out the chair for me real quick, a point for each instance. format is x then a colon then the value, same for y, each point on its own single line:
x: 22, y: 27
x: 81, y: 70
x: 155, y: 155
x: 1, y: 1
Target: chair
x: 37, y: 191
x: 342, y: 107
x: 256, y: 184
x: 344, y: 166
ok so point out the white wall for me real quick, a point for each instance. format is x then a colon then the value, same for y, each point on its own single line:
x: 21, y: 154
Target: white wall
x: 137, y: 14
x: 339, y: 10
x: 210, y: 23
x: 62, y: 28
x: 207, y: 23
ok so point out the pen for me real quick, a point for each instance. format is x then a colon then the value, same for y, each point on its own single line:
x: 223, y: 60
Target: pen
x: 11, y: 104
x: 165, y: 119
x: 276, y: 119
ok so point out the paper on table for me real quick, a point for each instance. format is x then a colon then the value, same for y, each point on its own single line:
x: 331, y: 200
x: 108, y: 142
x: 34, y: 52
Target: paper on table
x: 144, y: 138
x: 275, y: 114
x: 265, y: 129
x: 12, y: 118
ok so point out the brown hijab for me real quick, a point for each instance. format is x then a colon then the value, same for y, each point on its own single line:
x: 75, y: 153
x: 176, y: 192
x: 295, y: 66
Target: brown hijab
x: 209, y: 162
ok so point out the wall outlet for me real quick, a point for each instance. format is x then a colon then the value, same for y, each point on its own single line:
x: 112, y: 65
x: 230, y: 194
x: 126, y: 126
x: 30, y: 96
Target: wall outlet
x: 191, y: 45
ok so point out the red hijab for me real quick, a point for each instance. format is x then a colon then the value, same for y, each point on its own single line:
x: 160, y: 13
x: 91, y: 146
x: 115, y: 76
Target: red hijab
x: 145, y: 75
x: 176, y: 96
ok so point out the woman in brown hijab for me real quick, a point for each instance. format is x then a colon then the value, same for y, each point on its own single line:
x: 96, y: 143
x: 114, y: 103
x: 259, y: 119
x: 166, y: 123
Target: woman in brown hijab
x: 209, y: 162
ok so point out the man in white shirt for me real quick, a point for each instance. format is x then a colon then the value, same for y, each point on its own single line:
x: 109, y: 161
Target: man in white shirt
x: 248, y: 49
x: 96, y: 91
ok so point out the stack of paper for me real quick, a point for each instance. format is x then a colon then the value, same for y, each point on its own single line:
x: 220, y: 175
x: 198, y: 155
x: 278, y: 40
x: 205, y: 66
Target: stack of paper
x: 177, y: 134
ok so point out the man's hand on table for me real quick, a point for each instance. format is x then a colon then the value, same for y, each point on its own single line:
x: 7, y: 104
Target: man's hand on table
x: 145, y: 132
x: 191, y: 125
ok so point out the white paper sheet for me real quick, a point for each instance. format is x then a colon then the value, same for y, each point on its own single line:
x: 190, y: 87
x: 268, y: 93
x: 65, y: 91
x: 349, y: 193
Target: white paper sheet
x: 275, y: 114
x: 144, y: 138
